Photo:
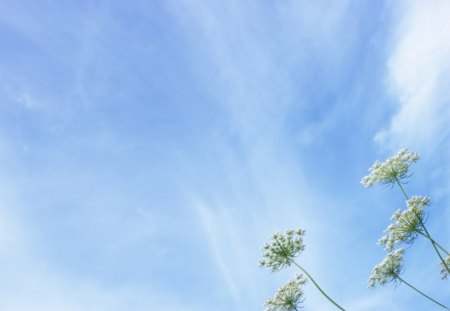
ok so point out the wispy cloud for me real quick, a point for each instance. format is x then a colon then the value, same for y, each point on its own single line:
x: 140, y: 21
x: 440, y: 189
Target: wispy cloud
x: 185, y: 132
x: 12, y: 233
x: 36, y: 281
x: 216, y: 234
x: 35, y: 286
x: 253, y: 57
x: 419, y: 69
x: 254, y: 72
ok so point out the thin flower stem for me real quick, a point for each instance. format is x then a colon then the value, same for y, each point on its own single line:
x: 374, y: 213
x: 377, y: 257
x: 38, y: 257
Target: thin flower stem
x: 423, y: 294
x: 433, y: 241
x: 311, y: 278
x: 318, y: 287
x: 402, y: 189
x: 428, y: 236
x: 434, y: 246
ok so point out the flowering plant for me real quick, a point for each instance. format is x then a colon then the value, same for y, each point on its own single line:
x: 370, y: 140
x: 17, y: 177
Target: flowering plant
x: 407, y: 225
x: 279, y: 253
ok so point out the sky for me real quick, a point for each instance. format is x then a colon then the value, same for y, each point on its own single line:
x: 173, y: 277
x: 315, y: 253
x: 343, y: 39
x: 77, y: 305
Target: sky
x: 148, y: 149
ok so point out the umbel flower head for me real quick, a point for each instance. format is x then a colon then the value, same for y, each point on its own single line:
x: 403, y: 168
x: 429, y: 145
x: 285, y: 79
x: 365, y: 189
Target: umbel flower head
x: 393, y: 169
x: 288, y: 297
x: 444, y: 271
x: 282, y: 249
x: 388, y: 270
x: 406, y: 224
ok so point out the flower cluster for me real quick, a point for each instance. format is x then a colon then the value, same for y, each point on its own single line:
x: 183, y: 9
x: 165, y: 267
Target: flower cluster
x: 288, y: 297
x: 444, y: 270
x: 388, y: 270
x: 282, y: 249
x: 406, y: 224
x: 394, y: 169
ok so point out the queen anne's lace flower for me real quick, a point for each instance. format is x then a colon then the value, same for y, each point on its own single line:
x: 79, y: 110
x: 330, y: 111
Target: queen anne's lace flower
x: 406, y: 224
x: 395, y: 168
x: 288, y: 297
x: 388, y: 270
x: 282, y: 249
x: 444, y: 271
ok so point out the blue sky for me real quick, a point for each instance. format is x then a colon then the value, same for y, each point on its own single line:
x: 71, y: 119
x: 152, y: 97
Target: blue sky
x: 149, y: 148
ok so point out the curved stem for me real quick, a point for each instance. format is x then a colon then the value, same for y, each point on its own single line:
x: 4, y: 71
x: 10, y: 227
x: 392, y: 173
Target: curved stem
x: 318, y: 287
x: 311, y: 278
x: 423, y: 294
x: 433, y: 243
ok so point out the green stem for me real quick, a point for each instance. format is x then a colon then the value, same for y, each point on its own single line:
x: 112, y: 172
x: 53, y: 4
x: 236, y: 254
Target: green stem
x: 311, y: 278
x: 428, y: 236
x: 433, y: 241
x: 401, y: 188
x: 318, y: 287
x: 423, y: 294
x: 434, y: 246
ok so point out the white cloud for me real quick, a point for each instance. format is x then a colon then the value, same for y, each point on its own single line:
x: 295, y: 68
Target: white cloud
x: 27, y: 100
x: 33, y: 287
x: 12, y: 235
x: 256, y: 56
x: 213, y: 230
x: 31, y: 282
x: 256, y: 89
x: 419, y: 72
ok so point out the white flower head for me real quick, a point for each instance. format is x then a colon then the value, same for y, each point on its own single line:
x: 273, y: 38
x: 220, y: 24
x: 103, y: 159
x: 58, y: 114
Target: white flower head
x: 288, y: 297
x: 406, y: 224
x: 282, y: 249
x: 444, y: 269
x: 393, y: 169
x: 388, y: 270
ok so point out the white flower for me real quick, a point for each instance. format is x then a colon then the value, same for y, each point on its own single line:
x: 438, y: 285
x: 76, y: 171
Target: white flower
x: 282, y: 249
x: 406, y: 224
x: 288, y: 297
x: 417, y: 202
x: 395, y: 168
x: 444, y: 270
x: 388, y: 270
